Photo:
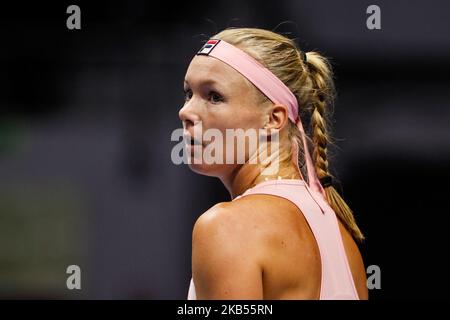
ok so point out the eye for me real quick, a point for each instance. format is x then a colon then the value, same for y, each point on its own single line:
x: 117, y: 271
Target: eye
x: 187, y: 94
x: 215, y: 97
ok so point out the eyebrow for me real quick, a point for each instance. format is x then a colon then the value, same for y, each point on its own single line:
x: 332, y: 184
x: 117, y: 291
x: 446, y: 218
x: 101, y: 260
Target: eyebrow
x: 204, y: 82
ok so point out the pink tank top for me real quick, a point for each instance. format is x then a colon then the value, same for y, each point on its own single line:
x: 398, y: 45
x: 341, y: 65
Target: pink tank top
x: 337, y: 281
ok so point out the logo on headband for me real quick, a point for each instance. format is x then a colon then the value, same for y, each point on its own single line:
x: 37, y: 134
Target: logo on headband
x: 208, y: 46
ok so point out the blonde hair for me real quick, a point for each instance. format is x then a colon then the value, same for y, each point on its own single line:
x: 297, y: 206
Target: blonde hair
x: 311, y: 82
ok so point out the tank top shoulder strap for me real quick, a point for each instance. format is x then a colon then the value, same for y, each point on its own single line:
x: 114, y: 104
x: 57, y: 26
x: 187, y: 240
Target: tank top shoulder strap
x: 315, y: 200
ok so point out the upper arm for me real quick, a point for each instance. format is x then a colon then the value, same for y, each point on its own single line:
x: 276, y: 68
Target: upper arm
x: 225, y: 262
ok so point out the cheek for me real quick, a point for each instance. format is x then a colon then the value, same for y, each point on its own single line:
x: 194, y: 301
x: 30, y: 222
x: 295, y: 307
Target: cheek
x: 219, y: 119
x: 242, y: 114
x: 240, y: 117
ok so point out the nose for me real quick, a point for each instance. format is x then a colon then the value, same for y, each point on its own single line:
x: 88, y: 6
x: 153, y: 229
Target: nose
x: 188, y: 115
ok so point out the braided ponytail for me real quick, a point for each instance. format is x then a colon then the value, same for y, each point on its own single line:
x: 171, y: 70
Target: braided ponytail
x: 321, y: 99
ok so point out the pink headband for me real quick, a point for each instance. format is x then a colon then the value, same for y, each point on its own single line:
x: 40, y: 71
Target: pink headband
x: 271, y: 86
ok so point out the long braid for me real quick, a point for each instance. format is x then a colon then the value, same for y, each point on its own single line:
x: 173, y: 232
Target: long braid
x: 322, y: 96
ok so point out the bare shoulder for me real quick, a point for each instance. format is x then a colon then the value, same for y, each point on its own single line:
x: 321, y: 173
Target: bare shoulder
x: 249, y: 218
x: 228, y: 224
x: 229, y: 248
x: 239, y: 245
x: 225, y: 257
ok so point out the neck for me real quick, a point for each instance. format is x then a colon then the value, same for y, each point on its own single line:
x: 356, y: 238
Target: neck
x: 249, y: 175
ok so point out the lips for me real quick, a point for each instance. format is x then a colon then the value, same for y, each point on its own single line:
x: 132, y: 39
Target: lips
x: 191, y: 141
x: 195, y: 142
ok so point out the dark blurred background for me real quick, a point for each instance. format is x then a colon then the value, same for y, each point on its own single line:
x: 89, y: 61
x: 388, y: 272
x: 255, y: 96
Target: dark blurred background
x: 86, y: 116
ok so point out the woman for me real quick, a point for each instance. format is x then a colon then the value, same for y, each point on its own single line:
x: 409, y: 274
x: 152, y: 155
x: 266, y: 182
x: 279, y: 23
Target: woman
x: 286, y: 233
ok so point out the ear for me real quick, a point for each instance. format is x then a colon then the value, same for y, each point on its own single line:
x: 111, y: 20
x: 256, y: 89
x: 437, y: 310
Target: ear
x: 278, y: 115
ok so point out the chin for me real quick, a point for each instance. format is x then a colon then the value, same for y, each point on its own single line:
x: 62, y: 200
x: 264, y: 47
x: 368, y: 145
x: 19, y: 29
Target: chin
x: 210, y: 170
x: 204, y: 169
